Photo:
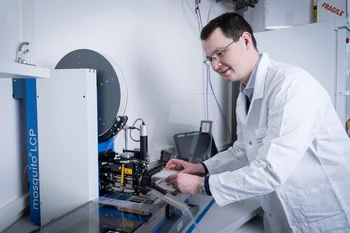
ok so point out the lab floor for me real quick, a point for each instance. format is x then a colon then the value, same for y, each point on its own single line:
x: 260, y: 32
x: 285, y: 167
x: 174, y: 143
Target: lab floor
x: 24, y: 225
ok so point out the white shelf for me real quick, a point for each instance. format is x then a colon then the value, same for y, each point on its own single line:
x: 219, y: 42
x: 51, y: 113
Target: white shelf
x: 17, y: 70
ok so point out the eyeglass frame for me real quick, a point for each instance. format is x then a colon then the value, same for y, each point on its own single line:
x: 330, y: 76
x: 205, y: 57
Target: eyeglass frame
x: 220, y: 53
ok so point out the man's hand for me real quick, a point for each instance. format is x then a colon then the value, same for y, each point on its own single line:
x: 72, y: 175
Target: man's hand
x: 185, y: 183
x: 184, y: 167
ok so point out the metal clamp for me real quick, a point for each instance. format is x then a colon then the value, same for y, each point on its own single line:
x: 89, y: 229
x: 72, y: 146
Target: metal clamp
x: 20, y: 52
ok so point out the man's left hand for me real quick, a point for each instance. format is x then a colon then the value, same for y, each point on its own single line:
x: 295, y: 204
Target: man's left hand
x: 186, y: 183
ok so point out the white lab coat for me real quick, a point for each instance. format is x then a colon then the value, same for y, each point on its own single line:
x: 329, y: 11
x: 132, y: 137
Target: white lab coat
x: 292, y: 150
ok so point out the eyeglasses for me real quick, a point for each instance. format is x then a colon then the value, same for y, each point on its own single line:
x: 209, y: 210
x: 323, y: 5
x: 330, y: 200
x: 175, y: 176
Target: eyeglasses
x: 219, y: 53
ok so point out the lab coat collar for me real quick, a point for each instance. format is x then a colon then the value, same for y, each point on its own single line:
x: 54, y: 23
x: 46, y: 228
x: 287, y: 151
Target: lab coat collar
x: 261, y: 72
x: 248, y: 89
x: 261, y: 77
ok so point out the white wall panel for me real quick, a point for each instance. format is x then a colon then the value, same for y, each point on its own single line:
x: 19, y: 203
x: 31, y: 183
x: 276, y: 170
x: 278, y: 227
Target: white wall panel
x: 12, y: 125
x: 156, y: 44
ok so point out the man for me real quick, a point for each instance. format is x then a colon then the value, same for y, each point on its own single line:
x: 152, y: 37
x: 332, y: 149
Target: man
x: 291, y: 148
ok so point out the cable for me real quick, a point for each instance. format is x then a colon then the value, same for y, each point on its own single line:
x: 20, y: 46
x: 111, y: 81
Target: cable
x: 127, y: 89
x: 222, y: 113
x: 210, y: 7
x: 207, y: 69
x: 23, y: 181
x: 198, y: 12
x: 126, y: 85
x: 200, y: 25
x: 119, y: 72
x: 133, y: 127
x: 206, y: 91
x: 189, y: 7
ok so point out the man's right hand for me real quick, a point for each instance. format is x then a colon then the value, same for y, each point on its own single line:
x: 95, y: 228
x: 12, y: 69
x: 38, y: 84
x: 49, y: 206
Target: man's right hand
x: 184, y: 167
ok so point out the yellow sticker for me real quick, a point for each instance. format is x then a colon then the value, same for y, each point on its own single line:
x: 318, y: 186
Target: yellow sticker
x: 128, y: 171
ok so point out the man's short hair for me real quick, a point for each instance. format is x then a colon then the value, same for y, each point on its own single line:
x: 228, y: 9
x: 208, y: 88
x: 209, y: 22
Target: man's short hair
x: 231, y: 24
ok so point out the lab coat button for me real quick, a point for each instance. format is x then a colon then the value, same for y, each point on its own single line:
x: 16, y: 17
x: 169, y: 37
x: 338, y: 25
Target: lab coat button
x: 250, y: 143
x: 270, y: 215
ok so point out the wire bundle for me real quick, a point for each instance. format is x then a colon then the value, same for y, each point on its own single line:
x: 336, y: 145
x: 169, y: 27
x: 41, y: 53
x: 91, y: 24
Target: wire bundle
x: 207, y: 69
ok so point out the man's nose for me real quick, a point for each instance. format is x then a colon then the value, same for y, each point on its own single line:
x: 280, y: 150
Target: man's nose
x: 216, y: 64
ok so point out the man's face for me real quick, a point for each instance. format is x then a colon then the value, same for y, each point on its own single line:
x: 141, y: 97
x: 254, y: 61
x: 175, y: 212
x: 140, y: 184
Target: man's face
x: 233, y: 64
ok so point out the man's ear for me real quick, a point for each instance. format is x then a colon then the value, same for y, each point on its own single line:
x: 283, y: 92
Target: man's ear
x: 247, y: 39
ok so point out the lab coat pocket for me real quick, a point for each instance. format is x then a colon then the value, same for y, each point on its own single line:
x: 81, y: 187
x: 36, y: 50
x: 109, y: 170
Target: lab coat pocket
x: 317, y: 210
x: 260, y: 135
